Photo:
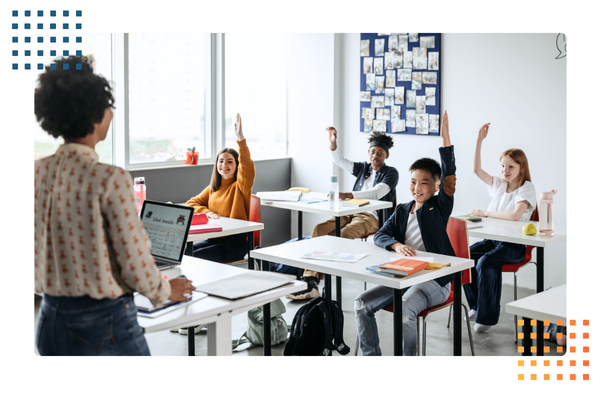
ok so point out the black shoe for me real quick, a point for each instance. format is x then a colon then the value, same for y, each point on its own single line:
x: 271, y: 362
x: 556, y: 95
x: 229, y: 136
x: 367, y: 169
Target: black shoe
x: 311, y: 292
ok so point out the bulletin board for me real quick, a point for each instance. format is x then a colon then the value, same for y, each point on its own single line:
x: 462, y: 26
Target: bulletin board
x: 400, y: 83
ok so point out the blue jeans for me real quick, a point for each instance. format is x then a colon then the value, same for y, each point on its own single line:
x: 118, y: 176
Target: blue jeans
x: 485, y: 289
x: 83, y: 326
x: 416, y: 299
x: 222, y: 249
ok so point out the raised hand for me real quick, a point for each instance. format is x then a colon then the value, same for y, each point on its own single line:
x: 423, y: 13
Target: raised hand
x: 445, y: 132
x: 483, y: 132
x: 238, y: 127
x: 332, y: 137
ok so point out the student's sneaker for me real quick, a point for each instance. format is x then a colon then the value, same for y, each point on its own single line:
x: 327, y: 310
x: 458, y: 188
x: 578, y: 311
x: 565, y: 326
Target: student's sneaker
x: 311, y: 292
x: 472, y: 315
x: 197, y: 329
x: 481, y: 327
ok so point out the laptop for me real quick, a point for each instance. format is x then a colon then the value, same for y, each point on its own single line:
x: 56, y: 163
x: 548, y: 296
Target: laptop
x: 167, y: 227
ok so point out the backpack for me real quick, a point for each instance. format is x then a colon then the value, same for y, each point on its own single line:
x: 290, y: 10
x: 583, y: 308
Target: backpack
x: 312, y: 333
x: 254, y: 333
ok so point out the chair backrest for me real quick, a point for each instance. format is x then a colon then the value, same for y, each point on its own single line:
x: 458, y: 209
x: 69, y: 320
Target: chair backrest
x: 255, y: 217
x: 534, y: 215
x: 457, y: 232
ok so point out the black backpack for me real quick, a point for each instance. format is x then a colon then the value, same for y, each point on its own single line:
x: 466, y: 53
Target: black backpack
x: 312, y: 332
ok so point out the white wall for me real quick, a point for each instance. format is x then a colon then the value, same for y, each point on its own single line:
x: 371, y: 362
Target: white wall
x: 310, y: 111
x: 510, y: 80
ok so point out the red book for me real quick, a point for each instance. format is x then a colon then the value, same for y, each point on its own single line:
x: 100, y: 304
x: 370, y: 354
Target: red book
x: 205, y: 228
x: 405, y: 267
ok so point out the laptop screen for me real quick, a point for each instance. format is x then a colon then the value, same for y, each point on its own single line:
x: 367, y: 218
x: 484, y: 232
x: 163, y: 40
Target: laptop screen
x: 167, y: 227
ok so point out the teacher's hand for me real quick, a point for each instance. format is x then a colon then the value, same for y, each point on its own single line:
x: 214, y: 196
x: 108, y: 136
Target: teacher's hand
x: 179, y: 288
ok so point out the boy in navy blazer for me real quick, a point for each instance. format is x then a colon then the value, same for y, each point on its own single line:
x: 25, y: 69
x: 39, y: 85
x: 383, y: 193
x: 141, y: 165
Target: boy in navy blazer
x: 419, y: 225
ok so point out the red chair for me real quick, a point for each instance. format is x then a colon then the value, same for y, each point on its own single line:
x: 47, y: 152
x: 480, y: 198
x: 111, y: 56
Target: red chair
x: 457, y: 232
x: 254, y: 217
x: 514, y: 268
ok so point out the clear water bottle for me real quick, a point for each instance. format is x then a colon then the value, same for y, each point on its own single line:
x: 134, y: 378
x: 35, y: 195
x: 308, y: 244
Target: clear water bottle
x: 334, y: 192
x: 546, y: 213
x: 139, y: 189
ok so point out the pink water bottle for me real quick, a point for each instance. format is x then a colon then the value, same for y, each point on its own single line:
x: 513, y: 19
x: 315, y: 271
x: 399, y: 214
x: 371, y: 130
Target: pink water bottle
x: 139, y: 188
x: 546, y: 213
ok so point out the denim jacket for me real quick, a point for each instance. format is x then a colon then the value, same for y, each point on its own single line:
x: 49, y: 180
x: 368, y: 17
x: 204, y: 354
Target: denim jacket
x: 431, y: 216
x: 385, y: 174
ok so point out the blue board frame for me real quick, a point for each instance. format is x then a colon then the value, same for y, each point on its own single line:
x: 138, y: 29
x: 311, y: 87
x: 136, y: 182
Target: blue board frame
x: 435, y: 109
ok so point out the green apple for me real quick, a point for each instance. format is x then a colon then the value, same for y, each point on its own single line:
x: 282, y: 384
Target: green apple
x: 529, y: 229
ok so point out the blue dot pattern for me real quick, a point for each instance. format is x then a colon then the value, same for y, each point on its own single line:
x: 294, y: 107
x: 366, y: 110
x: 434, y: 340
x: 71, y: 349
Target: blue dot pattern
x: 40, y: 39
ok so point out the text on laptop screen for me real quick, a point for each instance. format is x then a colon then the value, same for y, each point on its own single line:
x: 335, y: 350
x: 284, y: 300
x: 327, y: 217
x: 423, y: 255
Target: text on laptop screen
x: 166, y: 229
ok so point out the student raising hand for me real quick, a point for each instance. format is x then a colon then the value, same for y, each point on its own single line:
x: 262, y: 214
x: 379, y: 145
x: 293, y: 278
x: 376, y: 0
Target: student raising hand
x: 332, y: 137
x: 238, y: 128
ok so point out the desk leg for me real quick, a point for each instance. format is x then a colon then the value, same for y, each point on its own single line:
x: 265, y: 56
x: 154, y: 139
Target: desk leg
x: 526, y: 336
x: 457, y: 313
x: 219, y: 336
x: 539, y: 285
x: 250, y: 247
x: 189, y: 249
x: 191, y: 341
x: 299, y: 225
x: 328, y: 300
x: 398, y: 349
x: 267, y: 329
x: 338, y: 279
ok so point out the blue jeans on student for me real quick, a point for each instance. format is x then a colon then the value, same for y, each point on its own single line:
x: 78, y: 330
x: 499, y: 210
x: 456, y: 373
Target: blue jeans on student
x: 222, y: 249
x: 83, y: 326
x: 415, y: 299
x: 485, y: 289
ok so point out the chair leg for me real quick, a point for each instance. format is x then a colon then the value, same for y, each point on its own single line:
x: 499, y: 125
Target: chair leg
x: 419, y: 336
x: 469, y: 329
x: 424, y: 336
x: 449, y: 316
x: 515, y: 298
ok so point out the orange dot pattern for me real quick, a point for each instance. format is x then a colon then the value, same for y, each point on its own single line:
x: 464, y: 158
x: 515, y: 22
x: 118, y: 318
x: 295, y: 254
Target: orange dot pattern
x: 572, y: 350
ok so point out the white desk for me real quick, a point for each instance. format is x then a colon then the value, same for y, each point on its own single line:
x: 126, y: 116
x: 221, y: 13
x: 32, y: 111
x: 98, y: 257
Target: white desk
x: 511, y: 232
x: 291, y: 253
x: 214, y: 311
x: 323, y: 208
x: 549, y: 305
x: 230, y: 226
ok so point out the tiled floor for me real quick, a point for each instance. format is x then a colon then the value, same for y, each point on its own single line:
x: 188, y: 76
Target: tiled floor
x: 498, y: 341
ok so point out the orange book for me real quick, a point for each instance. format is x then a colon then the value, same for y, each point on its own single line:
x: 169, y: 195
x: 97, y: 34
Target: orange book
x: 405, y: 266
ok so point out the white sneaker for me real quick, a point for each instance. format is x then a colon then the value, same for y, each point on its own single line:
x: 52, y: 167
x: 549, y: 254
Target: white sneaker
x: 481, y: 327
x: 197, y: 329
x: 472, y: 315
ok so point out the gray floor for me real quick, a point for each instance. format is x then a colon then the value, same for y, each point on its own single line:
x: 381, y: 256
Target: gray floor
x: 498, y: 341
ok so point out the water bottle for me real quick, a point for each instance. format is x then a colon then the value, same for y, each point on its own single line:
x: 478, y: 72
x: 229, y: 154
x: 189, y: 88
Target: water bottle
x: 139, y: 189
x: 546, y: 213
x: 334, y: 192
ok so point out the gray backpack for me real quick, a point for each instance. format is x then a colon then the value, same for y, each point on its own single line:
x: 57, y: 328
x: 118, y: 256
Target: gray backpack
x: 254, y: 333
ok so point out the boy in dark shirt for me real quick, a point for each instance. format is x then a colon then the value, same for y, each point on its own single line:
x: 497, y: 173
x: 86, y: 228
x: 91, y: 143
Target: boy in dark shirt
x: 419, y: 225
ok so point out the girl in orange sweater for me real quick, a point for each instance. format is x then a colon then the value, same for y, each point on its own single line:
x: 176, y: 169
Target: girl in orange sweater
x: 228, y: 195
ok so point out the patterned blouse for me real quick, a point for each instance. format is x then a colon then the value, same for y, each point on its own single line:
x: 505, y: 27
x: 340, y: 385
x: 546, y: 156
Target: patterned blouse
x: 88, y: 237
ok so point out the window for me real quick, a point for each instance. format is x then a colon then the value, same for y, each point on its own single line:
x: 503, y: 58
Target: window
x: 177, y: 91
x: 255, y: 87
x: 167, y: 113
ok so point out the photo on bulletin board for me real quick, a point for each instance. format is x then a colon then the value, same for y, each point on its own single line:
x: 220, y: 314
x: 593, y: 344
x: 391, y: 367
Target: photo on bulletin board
x: 401, y: 68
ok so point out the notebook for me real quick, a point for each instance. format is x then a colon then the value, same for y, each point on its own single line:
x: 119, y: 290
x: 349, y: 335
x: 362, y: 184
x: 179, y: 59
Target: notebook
x: 167, y: 227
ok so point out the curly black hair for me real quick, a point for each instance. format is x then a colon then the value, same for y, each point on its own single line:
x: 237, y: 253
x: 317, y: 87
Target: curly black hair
x: 381, y: 137
x: 70, y: 100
